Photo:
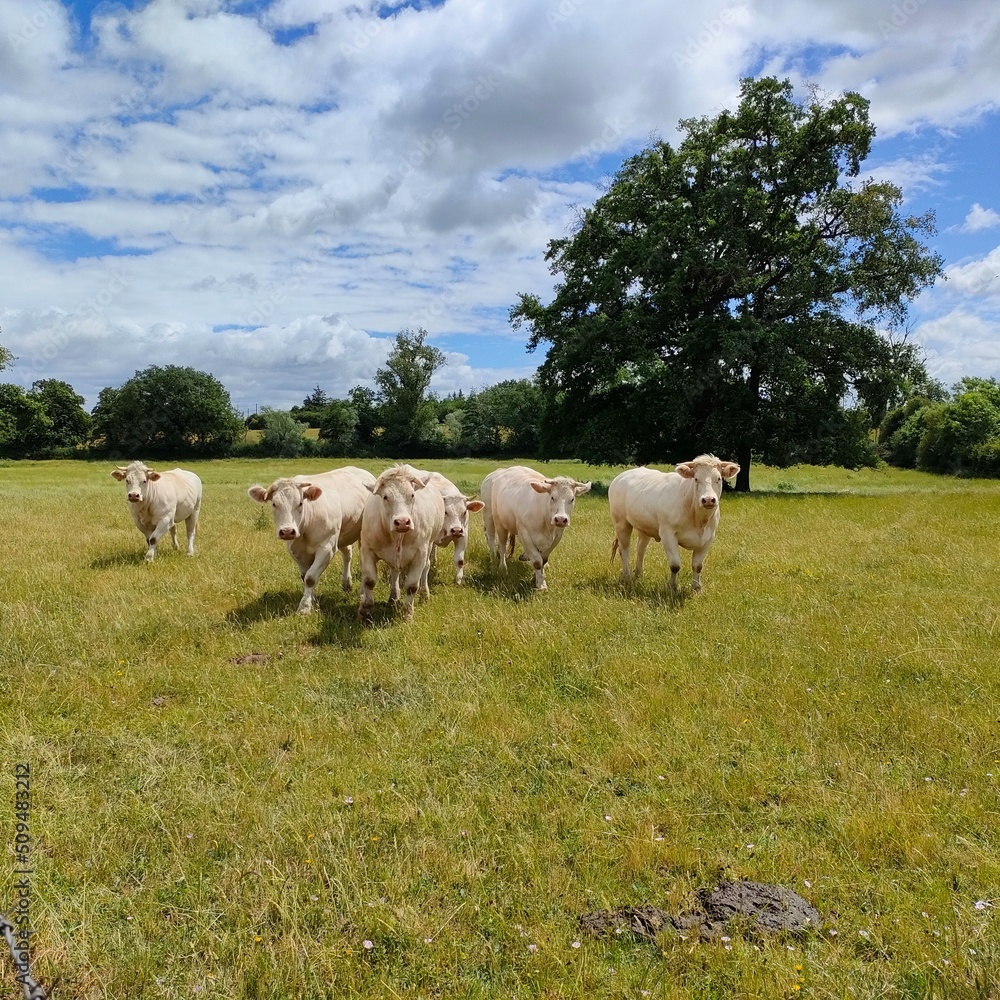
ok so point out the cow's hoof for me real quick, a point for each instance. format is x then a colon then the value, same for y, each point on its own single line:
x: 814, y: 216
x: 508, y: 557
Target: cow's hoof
x: 304, y: 609
x: 364, y: 615
x: 149, y: 557
x: 345, y: 586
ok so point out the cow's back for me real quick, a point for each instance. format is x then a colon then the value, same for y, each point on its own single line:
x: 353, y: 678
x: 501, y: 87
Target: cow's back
x: 512, y: 502
x: 648, y: 499
x: 341, y: 505
x: 178, y: 491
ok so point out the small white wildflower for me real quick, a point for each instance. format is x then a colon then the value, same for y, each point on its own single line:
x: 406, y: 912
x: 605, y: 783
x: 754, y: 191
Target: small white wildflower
x: 348, y: 800
x: 367, y: 945
x: 981, y: 904
x: 928, y: 779
x: 575, y: 944
x: 607, y: 819
x: 314, y: 898
x: 428, y: 940
x: 660, y: 777
x: 864, y: 934
x: 923, y: 913
x: 728, y: 947
x: 750, y: 847
x: 725, y: 938
x: 833, y: 933
x: 532, y: 947
x: 807, y: 883
x: 972, y: 951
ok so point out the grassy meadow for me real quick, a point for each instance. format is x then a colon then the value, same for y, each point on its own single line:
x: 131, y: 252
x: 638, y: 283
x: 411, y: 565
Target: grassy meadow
x: 426, y: 809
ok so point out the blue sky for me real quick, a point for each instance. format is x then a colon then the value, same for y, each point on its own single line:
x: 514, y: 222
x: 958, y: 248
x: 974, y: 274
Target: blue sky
x: 270, y: 189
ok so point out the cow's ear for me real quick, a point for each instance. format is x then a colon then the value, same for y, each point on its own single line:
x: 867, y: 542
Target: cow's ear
x: 311, y: 492
x: 538, y: 487
x: 580, y: 488
x: 151, y: 476
x: 728, y: 469
x: 259, y: 494
x: 473, y: 506
x: 370, y: 487
x: 419, y: 482
x: 118, y: 474
x: 686, y: 470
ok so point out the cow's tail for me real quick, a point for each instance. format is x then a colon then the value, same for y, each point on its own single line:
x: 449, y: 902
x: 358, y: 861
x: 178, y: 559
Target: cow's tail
x: 614, y: 548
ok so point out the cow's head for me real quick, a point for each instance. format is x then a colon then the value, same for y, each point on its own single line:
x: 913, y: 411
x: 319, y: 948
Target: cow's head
x: 288, y: 501
x: 136, y: 476
x: 562, y: 492
x: 707, y: 471
x: 397, y: 489
x: 456, y: 516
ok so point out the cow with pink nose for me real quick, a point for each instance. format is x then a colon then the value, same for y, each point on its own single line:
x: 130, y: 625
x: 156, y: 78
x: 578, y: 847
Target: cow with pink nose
x: 523, y: 504
x: 678, y: 509
x: 403, y: 518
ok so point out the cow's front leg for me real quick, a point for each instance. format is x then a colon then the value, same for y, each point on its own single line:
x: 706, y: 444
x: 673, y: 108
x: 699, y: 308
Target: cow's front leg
x: 413, y: 576
x: 311, y: 576
x: 459, y: 559
x: 369, y: 577
x: 534, y: 556
x: 161, y: 528
x: 393, y: 584
x: 429, y: 556
x: 698, y: 557
x: 345, y: 576
x: 173, y: 536
x: 673, y: 554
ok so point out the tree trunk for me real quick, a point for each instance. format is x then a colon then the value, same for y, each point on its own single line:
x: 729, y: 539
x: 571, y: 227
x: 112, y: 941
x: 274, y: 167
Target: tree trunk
x: 743, y: 476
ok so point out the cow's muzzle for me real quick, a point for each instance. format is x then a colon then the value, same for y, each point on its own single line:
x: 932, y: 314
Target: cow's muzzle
x: 560, y: 521
x: 134, y: 498
x: 457, y: 532
x: 288, y: 534
x: 401, y: 524
x: 709, y: 502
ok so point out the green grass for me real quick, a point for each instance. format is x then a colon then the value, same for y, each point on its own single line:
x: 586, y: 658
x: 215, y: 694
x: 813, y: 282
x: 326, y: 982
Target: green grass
x: 458, y: 788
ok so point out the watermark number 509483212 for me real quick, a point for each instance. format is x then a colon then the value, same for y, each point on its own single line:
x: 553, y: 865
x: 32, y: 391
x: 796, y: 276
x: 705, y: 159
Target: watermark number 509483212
x: 17, y: 928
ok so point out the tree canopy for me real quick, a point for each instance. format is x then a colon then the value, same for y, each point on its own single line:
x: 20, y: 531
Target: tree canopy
x: 405, y: 411
x: 167, y: 411
x: 727, y: 295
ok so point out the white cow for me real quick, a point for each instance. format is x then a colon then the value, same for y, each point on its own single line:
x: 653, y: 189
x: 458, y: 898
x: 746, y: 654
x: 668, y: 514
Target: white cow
x: 676, y: 508
x: 521, y: 503
x: 457, y: 507
x: 315, y: 516
x: 159, y: 501
x: 402, y: 521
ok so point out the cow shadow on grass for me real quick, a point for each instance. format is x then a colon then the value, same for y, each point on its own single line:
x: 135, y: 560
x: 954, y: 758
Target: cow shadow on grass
x: 336, y: 618
x: 651, y: 592
x: 516, y: 585
x: 265, y: 607
x: 115, y: 560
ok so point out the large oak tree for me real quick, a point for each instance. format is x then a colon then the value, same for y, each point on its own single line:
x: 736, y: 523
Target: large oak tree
x: 731, y: 293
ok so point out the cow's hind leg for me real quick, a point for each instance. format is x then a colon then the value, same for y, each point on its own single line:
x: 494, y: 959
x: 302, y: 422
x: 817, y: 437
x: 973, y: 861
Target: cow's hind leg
x: 623, y: 538
x: 640, y: 554
x: 191, y: 524
x: 173, y: 536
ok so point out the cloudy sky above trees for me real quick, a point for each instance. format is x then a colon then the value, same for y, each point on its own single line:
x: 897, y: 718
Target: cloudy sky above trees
x: 269, y: 191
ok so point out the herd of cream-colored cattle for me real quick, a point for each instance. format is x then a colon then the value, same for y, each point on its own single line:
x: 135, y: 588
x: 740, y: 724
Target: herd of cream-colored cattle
x: 402, y: 517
